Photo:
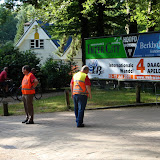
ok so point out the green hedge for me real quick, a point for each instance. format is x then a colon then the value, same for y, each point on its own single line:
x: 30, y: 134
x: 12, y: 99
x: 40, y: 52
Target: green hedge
x: 57, y: 74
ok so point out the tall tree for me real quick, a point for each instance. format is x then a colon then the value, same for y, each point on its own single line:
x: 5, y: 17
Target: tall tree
x: 151, y: 6
x: 13, y: 4
x: 84, y: 29
x: 131, y: 25
x: 26, y: 13
x: 100, y: 19
x: 20, y: 25
x: 10, y: 4
x: 146, y: 13
x: 82, y: 17
x: 35, y: 3
x: 67, y: 18
x: 7, y: 25
x: 105, y: 17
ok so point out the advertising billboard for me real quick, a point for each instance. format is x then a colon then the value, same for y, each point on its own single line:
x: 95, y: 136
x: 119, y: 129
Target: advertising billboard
x: 127, y: 57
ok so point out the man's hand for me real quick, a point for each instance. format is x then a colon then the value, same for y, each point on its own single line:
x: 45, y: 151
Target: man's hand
x: 71, y: 86
x: 35, y: 83
x: 89, y: 91
x: 90, y: 96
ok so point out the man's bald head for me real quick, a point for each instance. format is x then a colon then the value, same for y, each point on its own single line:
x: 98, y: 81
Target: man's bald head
x: 85, y: 69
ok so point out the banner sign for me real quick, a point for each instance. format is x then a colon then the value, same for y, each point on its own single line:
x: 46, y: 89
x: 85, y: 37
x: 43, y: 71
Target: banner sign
x: 148, y: 45
x: 127, y: 57
x: 127, y: 46
x: 103, y: 48
x: 125, y: 68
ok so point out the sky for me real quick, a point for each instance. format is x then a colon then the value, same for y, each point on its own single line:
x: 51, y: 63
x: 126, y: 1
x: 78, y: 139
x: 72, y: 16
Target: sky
x: 1, y: 1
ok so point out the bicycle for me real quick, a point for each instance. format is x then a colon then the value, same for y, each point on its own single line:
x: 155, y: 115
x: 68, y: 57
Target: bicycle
x: 11, y: 91
x: 38, y: 93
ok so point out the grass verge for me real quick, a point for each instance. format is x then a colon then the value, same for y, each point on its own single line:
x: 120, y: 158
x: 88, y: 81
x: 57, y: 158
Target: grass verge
x: 100, y: 98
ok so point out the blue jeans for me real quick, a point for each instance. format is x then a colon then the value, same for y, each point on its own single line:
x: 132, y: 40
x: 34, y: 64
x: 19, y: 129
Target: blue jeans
x: 80, y: 102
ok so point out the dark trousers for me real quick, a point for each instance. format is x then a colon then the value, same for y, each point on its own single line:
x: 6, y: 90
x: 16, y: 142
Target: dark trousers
x: 80, y: 102
x: 28, y: 105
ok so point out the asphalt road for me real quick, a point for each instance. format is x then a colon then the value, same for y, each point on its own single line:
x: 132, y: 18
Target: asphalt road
x: 111, y: 134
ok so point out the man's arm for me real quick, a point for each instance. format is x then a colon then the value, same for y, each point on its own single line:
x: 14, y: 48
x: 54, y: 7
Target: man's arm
x: 89, y: 91
x: 88, y: 86
x: 5, y: 76
x: 35, y: 83
x: 71, y: 86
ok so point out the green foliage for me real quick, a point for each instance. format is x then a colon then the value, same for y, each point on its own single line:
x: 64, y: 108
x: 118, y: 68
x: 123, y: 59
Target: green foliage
x: 65, y: 15
x: 25, y: 14
x: 13, y: 59
x: 35, y: 3
x: 146, y: 13
x: 63, y: 41
x: 107, y: 17
x: 7, y: 25
x: 68, y: 17
x: 20, y: 25
x: 58, y: 73
x: 74, y: 48
x: 10, y: 4
x: 108, y: 14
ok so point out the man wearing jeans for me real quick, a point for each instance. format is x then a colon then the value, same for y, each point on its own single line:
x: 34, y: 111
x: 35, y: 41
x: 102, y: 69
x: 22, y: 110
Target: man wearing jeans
x: 81, y: 90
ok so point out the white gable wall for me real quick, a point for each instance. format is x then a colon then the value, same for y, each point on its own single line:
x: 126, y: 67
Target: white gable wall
x: 49, y: 47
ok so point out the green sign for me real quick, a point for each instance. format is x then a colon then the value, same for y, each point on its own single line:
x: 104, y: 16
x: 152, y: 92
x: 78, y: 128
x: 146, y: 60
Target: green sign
x: 102, y: 48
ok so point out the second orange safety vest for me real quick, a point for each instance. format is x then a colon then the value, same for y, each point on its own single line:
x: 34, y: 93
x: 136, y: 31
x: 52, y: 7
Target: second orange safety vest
x: 79, y: 86
x: 26, y: 85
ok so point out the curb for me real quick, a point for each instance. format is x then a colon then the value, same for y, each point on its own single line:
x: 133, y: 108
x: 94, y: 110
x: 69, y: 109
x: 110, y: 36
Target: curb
x: 124, y: 106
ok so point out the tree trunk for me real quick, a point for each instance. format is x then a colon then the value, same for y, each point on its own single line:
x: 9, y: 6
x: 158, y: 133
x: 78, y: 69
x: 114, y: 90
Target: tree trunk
x: 84, y: 30
x: 131, y: 27
x: 36, y: 3
x: 100, y: 20
x: 150, y: 7
x: 138, y: 95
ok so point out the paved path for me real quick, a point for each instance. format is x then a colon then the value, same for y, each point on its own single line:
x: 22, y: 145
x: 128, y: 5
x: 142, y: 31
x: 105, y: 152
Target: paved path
x: 113, y: 134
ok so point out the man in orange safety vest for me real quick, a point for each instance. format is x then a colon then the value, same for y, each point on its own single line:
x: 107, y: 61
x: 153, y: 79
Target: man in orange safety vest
x: 29, y: 83
x: 81, y: 90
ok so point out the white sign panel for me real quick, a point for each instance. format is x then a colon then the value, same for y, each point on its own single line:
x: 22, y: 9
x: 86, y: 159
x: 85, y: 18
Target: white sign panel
x: 125, y: 68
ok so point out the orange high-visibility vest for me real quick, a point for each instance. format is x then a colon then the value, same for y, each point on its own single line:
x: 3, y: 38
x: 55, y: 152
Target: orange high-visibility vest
x: 26, y: 85
x: 79, y: 86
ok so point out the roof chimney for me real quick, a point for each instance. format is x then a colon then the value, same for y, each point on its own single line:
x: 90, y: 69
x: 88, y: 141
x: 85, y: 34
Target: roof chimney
x: 26, y: 26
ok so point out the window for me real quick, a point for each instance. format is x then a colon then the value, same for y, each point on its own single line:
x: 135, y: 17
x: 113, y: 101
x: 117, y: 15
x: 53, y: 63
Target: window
x: 37, y: 43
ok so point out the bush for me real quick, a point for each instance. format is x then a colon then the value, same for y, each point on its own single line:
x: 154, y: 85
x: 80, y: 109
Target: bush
x: 53, y: 74
x: 14, y: 59
x: 57, y: 73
